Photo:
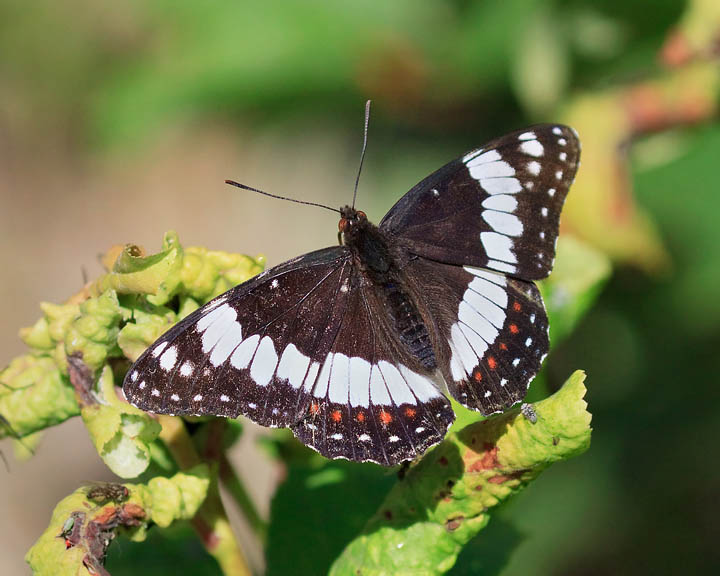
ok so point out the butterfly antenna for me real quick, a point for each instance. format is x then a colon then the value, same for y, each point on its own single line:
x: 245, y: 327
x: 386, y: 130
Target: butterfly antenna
x: 244, y: 187
x: 362, y: 156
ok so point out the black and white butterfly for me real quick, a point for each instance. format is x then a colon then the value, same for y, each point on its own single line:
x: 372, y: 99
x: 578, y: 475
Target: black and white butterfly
x: 355, y: 347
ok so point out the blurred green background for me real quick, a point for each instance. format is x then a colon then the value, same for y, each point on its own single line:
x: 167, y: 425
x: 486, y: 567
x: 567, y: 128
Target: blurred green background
x: 119, y: 121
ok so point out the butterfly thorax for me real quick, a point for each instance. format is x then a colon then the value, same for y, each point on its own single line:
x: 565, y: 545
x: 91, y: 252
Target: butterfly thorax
x: 372, y: 254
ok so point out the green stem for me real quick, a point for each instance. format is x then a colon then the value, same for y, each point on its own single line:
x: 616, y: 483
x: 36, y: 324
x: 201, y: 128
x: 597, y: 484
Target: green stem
x: 236, y: 488
x: 211, y: 522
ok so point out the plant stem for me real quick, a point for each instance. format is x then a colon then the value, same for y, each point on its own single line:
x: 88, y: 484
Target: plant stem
x: 235, y: 486
x: 211, y: 522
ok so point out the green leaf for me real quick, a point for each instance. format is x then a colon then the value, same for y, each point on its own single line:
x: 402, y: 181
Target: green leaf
x: 93, y: 334
x: 162, y: 501
x: 120, y: 432
x: 445, y: 499
x: 35, y: 394
x: 208, y: 273
x: 147, y: 327
x: 318, y: 494
x: 156, y: 276
x: 179, y: 497
x: 577, y: 279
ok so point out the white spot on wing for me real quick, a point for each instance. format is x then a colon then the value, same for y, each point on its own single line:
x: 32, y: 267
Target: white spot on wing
x: 396, y: 384
x: 421, y: 386
x: 175, y: 398
x: 501, y: 185
x: 476, y: 158
x: 359, y: 382
x: 311, y: 375
x: 487, y: 308
x: 364, y: 438
x: 223, y: 321
x: 501, y: 202
x: 168, y: 359
x: 501, y: 266
x: 321, y: 386
x: 498, y: 279
x: 230, y: 340
x: 490, y: 290
x: 532, y: 148
x: 293, y: 366
x: 527, y: 136
x: 534, y: 168
x: 497, y: 169
x: 478, y: 345
x: 339, y: 379
x: 498, y: 246
x: 504, y: 223
x: 244, y: 353
x: 378, y: 390
x: 465, y: 353
x: 557, y: 130
x: 158, y: 349
x: 468, y: 315
x: 186, y: 369
x: 264, y: 362
x: 134, y: 376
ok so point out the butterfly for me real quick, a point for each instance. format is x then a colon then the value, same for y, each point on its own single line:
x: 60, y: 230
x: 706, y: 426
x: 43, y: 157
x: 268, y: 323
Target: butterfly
x: 356, y: 347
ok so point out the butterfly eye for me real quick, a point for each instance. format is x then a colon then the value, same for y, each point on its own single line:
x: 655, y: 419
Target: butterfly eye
x: 343, y: 224
x: 361, y: 215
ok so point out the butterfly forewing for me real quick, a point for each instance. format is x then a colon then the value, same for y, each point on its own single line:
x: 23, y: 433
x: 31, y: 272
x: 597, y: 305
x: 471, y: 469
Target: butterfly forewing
x: 248, y: 351
x: 497, y: 207
x: 491, y: 331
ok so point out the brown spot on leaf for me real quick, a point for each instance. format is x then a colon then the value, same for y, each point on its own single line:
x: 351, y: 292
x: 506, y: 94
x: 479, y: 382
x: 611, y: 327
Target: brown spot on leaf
x: 443, y: 461
x: 454, y: 523
x: 388, y: 514
x: 487, y: 461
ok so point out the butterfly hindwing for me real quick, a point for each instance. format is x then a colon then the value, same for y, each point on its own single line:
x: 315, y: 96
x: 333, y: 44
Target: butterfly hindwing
x: 490, y: 331
x: 497, y: 207
x: 372, y: 400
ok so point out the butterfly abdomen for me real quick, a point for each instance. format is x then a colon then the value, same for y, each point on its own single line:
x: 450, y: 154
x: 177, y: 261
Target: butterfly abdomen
x: 409, y: 324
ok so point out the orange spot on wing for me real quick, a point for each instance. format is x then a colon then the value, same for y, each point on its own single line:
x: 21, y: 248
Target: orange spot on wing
x: 477, y: 375
x: 492, y: 362
x: 503, y: 346
x: 517, y: 307
x: 336, y: 416
x: 385, y: 418
x: 410, y: 412
x: 360, y: 417
x: 514, y: 329
x: 314, y: 408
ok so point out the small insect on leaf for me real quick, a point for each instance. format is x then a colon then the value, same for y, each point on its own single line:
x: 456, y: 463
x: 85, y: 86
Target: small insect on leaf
x: 103, y: 493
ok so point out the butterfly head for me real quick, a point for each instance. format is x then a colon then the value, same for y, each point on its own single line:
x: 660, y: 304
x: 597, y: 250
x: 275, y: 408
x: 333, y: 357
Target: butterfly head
x: 351, y: 220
